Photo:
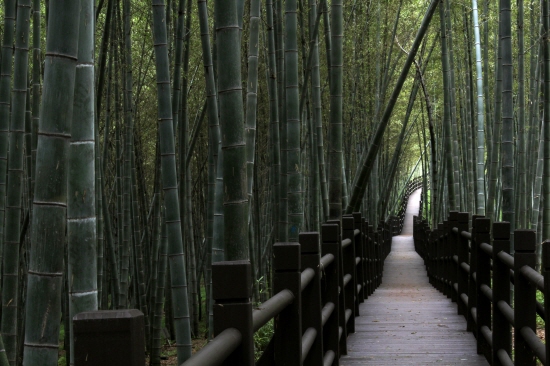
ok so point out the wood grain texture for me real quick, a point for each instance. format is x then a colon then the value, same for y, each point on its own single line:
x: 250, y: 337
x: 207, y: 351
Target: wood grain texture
x: 407, y: 321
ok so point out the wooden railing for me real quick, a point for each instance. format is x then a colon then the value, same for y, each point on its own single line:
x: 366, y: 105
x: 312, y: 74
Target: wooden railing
x: 475, y: 269
x: 412, y: 186
x: 318, y: 285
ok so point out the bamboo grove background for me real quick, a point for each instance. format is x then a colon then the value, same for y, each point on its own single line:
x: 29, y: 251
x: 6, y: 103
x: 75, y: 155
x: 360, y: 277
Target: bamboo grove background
x: 142, y: 141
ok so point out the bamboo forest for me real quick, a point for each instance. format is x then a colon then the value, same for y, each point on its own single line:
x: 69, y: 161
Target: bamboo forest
x: 143, y: 141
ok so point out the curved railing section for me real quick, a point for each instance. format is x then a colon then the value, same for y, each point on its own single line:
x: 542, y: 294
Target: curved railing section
x: 399, y: 220
x: 474, y: 267
x: 318, y: 285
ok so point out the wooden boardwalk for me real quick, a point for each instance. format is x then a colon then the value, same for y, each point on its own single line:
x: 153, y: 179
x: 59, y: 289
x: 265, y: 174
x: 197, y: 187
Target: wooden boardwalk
x: 406, y: 321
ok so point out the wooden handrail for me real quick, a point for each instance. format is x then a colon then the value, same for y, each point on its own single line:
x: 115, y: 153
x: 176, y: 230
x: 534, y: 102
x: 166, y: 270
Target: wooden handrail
x: 311, y: 297
x: 480, y: 274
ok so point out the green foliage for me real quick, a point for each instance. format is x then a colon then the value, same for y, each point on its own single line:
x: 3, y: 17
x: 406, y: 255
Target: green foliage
x: 262, y: 338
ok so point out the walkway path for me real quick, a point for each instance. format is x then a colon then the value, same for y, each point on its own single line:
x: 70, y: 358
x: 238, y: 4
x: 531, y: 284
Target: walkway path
x: 407, y: 321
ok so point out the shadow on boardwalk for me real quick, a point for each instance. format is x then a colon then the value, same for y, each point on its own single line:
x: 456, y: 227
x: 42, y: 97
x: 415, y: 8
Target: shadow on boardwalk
x: 406, y: 321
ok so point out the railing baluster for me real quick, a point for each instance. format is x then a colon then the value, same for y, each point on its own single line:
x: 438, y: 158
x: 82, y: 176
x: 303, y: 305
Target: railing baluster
x: 525, y: 295
x: 231, y: 291
x: 439, y: 245
x: 472, y: 290
x: 349, y: 268
x: 288, y: 324
x: 331, y: 245
x: 462, y: 252
x: 446, y: 251
x: 502, y: 338
x: 453, y: 250
x: 483, y: 276
x: 359, y: 271
x: 311, y: 296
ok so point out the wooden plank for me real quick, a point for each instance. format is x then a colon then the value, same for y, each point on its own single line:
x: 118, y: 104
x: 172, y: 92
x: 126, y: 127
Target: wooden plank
x: 407, y: 321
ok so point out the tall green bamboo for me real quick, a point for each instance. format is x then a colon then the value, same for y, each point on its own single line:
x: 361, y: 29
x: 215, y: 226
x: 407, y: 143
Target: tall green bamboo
x: 232, y: 129
x: 176, y: 88
x: 319, y: 179
x: 457, y: 177
x: 521, y: 215
x: 546, y: 122
x: 10, y: 283
x: 186, y: 212
x: 45, y: 274
x: 293, y: 123
x: 507, y: 146
x: 159, y: 296
x: 250, y: 129
x: 282, y: 224
x: 252, y: 93
x: 368, y: 157
x: 169, y: 184
x: 335, y: 155
x: 213, y: 145
x: 5, y: 92
x: 273, y: 115
x: 449, y: 152
x: 36, y: 77
x: 480, y: 187
x: 81, y: 212
x: 497, y: 136
x: 537, y: 186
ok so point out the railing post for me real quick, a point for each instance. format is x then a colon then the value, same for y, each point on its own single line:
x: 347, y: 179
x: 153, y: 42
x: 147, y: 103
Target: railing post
x: 524, y: 296
x: 462, y: 245
x: 445, y: 251
x: 311, y: 296
x: 371, y: 242
x: 350, y: 289
x: 483, y: 277
x: 453, y: 250
x: 546, y: 274
x: 367, y: 264
x: 388, y: 238
x: 430, y: 238
x: 359, y: 253
x: 472, y: 290
x: 332, y: 330
x: 439, y: 245
x: 377, y: 256
x: 231, y: 291
x: 114, y: 335
x: 288, y: 324
x: 502, y: 330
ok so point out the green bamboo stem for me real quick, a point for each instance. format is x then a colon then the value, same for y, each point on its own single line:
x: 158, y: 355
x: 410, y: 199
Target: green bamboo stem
x: 480, y: 184
x: 497, y: 136
x: 508, y: 136
x: 160, y: 279
x: 546, y: 122
x: 213, y: 146
x: 232, y: 130
x: 317, y: 112
x: 179, y: 38
x: 335, y: 155
x: 169, y: 183
x: 14, y: 198
x: 45, y: 274
x: 521, y: 216
x: 282, y: 224
x: 81, y: 183
x: 293, y: 123
x: 5, y: 92
x: 273, y: 115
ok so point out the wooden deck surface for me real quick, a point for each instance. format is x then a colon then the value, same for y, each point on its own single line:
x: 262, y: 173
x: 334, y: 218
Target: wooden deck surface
x: 406, y: 321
